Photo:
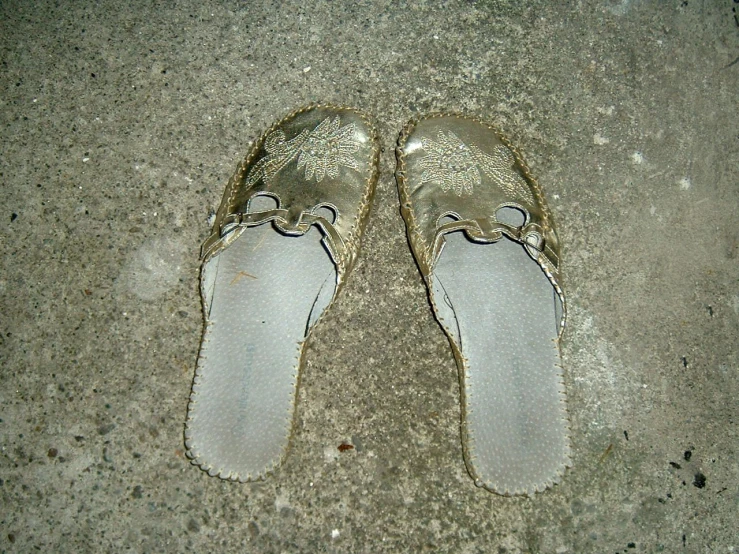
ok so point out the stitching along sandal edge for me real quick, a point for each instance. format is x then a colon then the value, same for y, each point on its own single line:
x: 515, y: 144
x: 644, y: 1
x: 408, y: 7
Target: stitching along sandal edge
x: 476, y: 221
x: 286, y: 235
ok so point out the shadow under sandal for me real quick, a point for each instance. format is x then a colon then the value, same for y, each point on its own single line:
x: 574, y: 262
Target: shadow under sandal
x: 285, y: 237
x: 484, y: 241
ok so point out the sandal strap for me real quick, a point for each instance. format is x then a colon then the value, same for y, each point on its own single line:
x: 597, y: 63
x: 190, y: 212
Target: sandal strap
x: 225, y: 233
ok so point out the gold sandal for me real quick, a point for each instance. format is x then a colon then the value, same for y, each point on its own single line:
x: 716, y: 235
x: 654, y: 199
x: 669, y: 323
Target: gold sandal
x: 285, y: 237
x: 484, y: 240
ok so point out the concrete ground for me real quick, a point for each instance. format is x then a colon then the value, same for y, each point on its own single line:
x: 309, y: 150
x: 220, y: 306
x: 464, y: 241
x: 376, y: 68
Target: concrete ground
x: 121, y: 123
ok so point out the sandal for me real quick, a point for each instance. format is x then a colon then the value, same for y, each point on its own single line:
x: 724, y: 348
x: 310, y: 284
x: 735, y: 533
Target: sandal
x: 285, y: 237
x: 476, y: 219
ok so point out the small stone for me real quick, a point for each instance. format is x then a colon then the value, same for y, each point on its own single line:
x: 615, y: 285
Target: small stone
x: 699, y: 480
x: 193, y: 526
x: 105, y: 429
x: 52, y: 453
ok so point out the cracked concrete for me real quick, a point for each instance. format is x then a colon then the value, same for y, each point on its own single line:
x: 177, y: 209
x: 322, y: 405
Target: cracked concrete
x: 121, y: 123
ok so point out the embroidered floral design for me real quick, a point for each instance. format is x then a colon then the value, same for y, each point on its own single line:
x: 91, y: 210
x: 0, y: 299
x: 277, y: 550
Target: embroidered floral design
x: 320, y: 151
x: 328, y: 147
x: 454, y: 165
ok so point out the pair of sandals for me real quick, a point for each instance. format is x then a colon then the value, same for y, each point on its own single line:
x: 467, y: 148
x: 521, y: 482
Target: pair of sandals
x: 286, y: 236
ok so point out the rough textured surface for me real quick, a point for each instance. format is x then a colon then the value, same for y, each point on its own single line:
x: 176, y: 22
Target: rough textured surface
x: 121, y: 124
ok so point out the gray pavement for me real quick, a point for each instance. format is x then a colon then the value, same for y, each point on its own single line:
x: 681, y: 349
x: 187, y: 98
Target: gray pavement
x: 121, y: 123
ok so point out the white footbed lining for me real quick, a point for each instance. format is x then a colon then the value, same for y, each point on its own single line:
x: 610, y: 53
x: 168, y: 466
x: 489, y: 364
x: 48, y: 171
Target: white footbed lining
x: 503, y: 312
x: 262, y: 294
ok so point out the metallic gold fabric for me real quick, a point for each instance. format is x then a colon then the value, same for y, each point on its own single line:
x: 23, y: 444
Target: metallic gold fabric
x: 320, y: 156
x: 455, y: 173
